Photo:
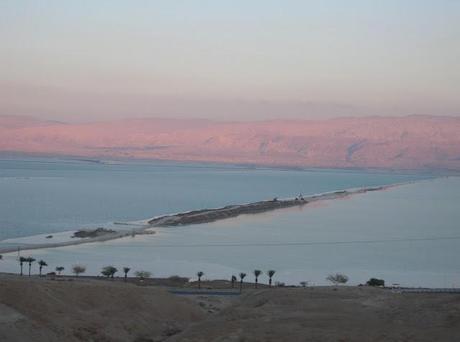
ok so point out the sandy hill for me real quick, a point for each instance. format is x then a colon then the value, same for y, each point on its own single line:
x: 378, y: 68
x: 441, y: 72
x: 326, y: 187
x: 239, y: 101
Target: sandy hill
x: 40, y: 310
x: 103, y: 310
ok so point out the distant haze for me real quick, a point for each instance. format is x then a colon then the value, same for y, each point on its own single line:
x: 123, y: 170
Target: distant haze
x: 413, y: 142
x: 83, y: 61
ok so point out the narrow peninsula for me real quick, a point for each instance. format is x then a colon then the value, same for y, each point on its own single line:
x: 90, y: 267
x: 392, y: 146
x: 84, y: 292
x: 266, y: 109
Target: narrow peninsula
x: 194, y: 217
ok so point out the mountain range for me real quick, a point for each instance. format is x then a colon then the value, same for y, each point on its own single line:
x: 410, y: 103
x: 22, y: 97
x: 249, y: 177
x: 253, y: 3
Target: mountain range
x: 410, y: 142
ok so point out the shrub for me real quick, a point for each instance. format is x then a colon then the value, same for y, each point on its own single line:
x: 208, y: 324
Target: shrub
x: 337, y: 278
x: 77, y: 269
x: 375, y: 282
x: 109, y: 271
x: 143, y: 274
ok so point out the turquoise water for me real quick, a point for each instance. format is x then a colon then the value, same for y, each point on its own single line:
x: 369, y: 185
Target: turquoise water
x: 409, y: 235
x: 53, y: 195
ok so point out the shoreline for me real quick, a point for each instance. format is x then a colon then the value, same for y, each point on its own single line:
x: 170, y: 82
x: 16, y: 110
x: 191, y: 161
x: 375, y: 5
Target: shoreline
x: 216, y: 214
x: 23, y: 156
x: 202, y: 216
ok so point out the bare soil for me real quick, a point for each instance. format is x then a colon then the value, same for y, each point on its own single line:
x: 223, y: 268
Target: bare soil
x: 34, y: 309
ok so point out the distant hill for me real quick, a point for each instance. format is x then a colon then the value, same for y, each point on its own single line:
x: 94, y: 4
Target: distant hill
x: 411, y: 142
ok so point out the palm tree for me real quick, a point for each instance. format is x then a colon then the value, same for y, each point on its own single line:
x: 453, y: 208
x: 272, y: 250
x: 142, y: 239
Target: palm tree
x: 41, y: 264
x: 30, y: 260
x: 242, y: 275
x: 270, y: 274
x: 257, y: 273
x: 59, y: 269
x: 233, y: 280
x: 22, y: 260
x: 126, y: 270
x: 199, y: 275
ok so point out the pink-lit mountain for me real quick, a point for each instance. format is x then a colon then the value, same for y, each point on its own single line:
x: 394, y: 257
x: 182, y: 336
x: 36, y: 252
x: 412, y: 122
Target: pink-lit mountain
x: 412, y: 142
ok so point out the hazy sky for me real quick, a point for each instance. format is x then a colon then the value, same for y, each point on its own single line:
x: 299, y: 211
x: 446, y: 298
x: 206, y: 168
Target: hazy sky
x: 83, y: 60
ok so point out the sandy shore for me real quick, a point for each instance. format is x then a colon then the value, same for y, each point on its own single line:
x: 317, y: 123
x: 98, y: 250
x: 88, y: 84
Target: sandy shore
x: 71, y: 309
x: 202, y: 216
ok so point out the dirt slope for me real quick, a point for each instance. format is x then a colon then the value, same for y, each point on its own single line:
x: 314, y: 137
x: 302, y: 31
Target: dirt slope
x: 90, y: 311
x: 101, y: 310
x: 322, y: 314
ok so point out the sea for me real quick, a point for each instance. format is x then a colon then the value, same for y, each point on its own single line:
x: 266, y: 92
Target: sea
x: 407, y: 235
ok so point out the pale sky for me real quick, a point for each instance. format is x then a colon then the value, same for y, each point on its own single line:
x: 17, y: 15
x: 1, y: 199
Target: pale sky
x: 236, y: 59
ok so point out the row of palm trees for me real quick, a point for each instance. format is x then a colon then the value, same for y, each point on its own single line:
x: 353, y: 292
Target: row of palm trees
x: 30, y: 260
x: 109, y: 272
x: 242, y: 275
x: 41, y: 263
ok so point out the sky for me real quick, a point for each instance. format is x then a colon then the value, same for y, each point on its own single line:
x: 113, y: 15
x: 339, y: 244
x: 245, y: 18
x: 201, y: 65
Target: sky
x: 229, y: 59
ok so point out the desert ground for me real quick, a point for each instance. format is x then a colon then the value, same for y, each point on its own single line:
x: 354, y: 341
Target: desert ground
x: 85, y: 309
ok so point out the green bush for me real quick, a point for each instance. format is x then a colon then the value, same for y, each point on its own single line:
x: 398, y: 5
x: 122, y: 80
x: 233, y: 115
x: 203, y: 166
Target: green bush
x: 375, y: 282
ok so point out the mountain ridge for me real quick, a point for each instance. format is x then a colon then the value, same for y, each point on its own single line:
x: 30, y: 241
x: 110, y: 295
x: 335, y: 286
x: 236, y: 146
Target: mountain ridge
x: 409, y: 142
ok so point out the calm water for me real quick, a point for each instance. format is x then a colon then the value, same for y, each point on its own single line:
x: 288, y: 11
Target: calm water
x: 408, y: 235
x: 51, y: 195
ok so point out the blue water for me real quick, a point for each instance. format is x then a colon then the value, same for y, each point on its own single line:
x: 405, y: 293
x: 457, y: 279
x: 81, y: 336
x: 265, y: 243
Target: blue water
x: 409, y: 235
x: 46, y: 195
